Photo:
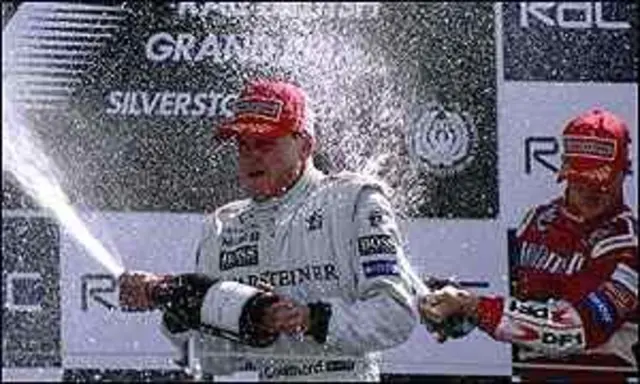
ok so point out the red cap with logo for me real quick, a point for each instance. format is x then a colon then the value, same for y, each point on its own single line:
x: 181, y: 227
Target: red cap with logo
x: 268, y: 108
x: 595, y: 149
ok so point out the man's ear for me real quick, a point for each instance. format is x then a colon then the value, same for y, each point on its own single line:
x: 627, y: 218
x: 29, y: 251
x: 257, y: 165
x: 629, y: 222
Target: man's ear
x: 618, y: 185
x: 306, y: 145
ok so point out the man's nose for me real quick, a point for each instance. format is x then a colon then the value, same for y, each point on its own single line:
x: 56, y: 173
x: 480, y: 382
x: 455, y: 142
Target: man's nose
x: 250, y: 151
x: 591, y: 199
x: 252, y: 158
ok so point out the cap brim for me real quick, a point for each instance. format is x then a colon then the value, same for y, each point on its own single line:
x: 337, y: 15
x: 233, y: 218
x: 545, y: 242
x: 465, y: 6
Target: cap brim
x: 241, y: 129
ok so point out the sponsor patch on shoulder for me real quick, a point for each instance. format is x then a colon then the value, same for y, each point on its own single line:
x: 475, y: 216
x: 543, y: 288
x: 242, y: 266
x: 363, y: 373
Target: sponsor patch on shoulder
x: 380, y: 268
x: 376, y: 217
x: 602, y: 310
x: 376, y: 245
x: 627, y: 277
x: 623, y: 300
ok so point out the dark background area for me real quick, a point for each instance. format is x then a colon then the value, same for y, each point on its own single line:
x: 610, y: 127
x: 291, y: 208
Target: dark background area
x: 168, y: 163
x: 545, y: 52
x: 31, y: 339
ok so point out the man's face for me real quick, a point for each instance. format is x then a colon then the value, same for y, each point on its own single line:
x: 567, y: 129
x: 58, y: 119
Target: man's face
x: 590, y: 202
x: 268, y: 166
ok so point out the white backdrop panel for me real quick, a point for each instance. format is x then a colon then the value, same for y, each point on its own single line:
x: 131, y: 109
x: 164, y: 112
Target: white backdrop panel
x: 471, y: 251
x: 97, y: 337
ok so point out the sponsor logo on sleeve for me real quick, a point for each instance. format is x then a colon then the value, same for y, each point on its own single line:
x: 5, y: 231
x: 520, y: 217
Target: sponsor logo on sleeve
x: 626, y: 276
x: 376, y: 245
x: 564, y: 340
x: 602, y: 309
x: 529, y: 311
x: 380, y: 268
x: 623, y: 300
x: 314, y: 222
x: 376, y: 217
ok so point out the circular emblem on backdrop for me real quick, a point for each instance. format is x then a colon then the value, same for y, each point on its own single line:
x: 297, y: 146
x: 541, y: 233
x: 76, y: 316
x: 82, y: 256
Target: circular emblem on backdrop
x: 442, y: 142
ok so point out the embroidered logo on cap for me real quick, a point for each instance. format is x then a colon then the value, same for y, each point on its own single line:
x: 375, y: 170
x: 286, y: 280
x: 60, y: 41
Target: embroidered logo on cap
x: 267, y: 109
x: 596, y: 148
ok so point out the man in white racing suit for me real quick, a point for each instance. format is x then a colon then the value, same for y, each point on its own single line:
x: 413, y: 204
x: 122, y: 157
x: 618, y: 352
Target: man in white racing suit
x: 328, y: 247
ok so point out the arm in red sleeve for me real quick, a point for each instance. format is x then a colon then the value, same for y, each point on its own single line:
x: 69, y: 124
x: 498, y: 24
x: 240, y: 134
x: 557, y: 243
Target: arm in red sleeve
x: 558, y: 326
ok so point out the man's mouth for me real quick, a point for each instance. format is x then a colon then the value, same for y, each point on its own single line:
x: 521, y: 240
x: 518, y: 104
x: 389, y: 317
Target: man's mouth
x: 255, y: 174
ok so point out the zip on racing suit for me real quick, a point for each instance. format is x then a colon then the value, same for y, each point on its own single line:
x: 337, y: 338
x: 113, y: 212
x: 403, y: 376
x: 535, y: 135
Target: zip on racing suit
x: 331, y: 242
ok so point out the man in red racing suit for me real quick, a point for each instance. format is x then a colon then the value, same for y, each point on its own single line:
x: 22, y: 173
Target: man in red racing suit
x: 576, y: 275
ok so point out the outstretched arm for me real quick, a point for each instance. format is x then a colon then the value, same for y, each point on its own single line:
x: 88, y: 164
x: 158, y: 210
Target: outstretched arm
x: 194, y: 301
x: 582, y: 311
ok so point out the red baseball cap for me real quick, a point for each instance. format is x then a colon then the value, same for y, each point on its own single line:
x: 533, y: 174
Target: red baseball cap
x: 595, y: 149
x: 270, y: 109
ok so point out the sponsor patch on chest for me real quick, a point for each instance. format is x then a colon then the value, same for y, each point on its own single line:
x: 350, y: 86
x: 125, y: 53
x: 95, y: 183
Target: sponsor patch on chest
x: 240, y: 257
x: 232, y: 237
x: 322, y: 273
